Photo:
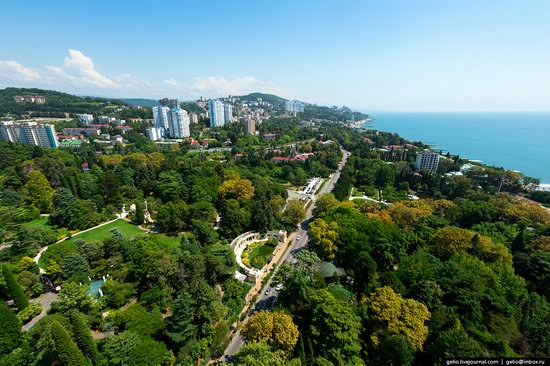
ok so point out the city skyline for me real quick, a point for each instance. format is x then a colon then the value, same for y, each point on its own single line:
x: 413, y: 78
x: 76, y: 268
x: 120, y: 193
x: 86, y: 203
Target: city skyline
x: 396, y: 56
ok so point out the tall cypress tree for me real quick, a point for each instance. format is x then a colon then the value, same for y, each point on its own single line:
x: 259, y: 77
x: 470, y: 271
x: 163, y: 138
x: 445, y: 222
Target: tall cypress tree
x: 66, y: 350
x: 10, y: 331
x: 83, y: 336
x: 16, y: 292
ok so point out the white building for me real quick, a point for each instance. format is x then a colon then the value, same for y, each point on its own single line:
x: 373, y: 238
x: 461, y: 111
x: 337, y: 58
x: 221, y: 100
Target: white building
x: 178, y: 123
x: 427, y: 160
x: 217, y: 118
x: 38, y: 99
x: 294, y: 106
x: 193, y: 117
x: 155, y: 133
x: 160, y: 115
x: 115, y: 139
x: 85, y: 119
x: 30, y: 133
x: 227, y: 113
x: 106, y: 119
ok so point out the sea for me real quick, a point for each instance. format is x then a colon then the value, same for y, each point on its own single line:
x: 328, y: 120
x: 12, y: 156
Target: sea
x: 515, y: 141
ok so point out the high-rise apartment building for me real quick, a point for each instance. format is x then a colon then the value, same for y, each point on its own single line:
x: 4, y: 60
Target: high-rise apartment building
x: 170, y: 103
x: 217, y: 115
x: 30, y: 133
x: 250, y: 126
x: 227, y: 113
x: 178, y: 126
x: 294, y: 106
x: 161, y: 115
x: 193, y: 117
x: 427, y: 160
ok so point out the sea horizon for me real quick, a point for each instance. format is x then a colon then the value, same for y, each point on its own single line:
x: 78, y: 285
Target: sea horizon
x: 512, y: 140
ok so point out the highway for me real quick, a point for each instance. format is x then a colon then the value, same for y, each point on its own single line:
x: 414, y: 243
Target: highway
x: 268, y: 295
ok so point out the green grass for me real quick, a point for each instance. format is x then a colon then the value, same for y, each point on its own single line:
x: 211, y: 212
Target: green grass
x: 263, y: 252
x: 59, y: 250
x: 356, y: 193
x: 43, y: 222
x: 169, y: 241
x: 104, y: 232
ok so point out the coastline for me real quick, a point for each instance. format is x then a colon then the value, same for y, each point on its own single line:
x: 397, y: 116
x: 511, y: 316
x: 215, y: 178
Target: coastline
x: 513, y: 141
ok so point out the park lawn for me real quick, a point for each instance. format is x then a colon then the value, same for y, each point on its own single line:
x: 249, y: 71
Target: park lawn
x: 57, y: 250
x: 264, y: 251
x: 169, y: 241
x: 101, y: 233
x: 43, y: 222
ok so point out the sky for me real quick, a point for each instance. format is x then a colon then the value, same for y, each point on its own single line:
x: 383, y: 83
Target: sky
x: 389, y: 55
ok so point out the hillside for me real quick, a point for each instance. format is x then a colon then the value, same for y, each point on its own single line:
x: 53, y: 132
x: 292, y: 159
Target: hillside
x: 266, y: 97
x: 57, y: 103
x: 140, y: 101
x: 313, y: 111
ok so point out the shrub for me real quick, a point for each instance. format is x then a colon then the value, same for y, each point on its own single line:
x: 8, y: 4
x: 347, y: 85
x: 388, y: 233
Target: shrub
x: 259, y: 262
x: 29, y: 312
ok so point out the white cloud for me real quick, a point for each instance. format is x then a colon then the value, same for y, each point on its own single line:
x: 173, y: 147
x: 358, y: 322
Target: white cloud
x: 79, y: 75
x: 12, y: 70
x: 80, y: 69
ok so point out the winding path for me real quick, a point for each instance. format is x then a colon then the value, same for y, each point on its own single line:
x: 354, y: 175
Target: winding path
x: 46, y: 301
x: 43, y: 249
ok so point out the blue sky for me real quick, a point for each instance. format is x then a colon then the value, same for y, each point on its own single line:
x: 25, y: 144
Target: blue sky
x: 375, y: 55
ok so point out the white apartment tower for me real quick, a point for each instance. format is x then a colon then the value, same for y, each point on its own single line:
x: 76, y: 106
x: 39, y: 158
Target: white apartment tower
x: 427, y: 160
x: 160, y: 115
x: 217, y: 115
x: 30, y: 133
x: 227, y: 113
x: 193, y: 117
x: 294, y: 106
x: 178, y: 123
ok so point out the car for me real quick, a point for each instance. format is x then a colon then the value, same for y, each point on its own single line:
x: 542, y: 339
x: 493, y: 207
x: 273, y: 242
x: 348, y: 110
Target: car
x: 279, y: 287
x: 267, y: 291
x: 298, y: 237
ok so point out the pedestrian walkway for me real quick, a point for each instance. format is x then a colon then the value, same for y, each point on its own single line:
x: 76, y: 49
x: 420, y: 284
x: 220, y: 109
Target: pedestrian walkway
x: 363, y: 197
x: 43, y: 249
x: 46, y: 301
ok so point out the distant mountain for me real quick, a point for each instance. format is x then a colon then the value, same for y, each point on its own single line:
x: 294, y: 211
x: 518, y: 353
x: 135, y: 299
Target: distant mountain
x: 270, y: 98
x: 141, y: 101
x: 57, y: 103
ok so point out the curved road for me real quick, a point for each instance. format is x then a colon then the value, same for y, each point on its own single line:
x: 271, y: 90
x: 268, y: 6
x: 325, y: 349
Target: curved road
x: 268, y: 295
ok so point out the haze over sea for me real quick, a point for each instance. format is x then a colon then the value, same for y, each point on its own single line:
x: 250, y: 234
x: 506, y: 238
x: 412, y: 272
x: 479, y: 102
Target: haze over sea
x: 517, y: 141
